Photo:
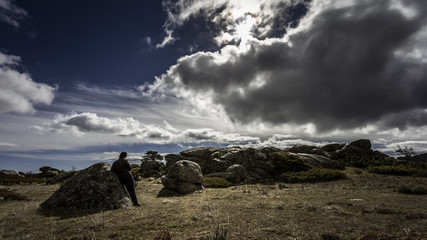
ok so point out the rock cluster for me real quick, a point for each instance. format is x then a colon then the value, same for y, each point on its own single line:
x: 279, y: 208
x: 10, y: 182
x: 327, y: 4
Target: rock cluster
x: 5, y: 172
x: 237, y: 164
x: 240, y: 164
x: 95, y: 188
x: 217, y: 160
x: 48, y: 172
x: 151, y: 168
x: 183, y: 177
x: 320, y: 161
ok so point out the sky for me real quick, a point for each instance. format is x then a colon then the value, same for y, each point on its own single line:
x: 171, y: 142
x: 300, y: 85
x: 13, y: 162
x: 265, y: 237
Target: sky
x: 81, y: 81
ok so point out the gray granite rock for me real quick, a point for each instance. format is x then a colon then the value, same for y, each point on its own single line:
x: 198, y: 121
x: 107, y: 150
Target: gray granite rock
x: 95, y: 188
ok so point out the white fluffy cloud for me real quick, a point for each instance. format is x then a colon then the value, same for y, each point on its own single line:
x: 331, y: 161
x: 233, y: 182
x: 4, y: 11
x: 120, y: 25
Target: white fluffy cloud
x: 81, y: 123
x: 18, y: 92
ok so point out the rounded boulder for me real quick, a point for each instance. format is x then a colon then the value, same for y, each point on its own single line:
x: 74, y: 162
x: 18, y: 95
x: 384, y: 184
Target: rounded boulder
x: 186, y: 171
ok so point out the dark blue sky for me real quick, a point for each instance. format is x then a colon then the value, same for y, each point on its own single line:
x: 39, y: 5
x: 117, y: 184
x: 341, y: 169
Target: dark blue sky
x: 96, y: 42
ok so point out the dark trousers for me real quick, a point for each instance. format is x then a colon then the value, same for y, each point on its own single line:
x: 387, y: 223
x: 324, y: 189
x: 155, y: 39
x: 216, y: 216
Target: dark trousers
x: 130, y: 187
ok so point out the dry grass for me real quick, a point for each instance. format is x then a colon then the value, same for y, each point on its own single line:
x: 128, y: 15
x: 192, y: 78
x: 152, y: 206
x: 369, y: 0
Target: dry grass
x: 364, y: 206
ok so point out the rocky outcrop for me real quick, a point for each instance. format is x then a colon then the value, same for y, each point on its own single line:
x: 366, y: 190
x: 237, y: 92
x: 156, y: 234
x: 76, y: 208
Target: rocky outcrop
x: 320, y: 161
x: 151, y: 168
x: 48, y: 172
x: 258, y: 163
x: 172, y: 159
x: 361, y: 147
x: 183, y: 177
x: 218, y: 160
x: 236, y: 174
x: 5, y: 172
x: 332, y: 147
x: 95, y: 188
x: 254, y: 164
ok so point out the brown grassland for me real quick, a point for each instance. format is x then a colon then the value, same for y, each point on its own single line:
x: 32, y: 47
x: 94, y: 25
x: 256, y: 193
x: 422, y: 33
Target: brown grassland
x: 363, y: 206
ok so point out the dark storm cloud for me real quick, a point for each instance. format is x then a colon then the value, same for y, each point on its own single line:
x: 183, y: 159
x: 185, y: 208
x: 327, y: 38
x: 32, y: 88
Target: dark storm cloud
x: 344, y: 71
x: 403, y: 120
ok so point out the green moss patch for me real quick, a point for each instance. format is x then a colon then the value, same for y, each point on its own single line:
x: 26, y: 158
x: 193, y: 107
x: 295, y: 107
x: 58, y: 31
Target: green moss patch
x: 216, y: 182
x: 10, y: 180
x: 313, y: 175
x: 398, y: 170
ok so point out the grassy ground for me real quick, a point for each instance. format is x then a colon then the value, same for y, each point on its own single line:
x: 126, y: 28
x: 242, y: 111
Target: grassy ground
x: 365, y: 206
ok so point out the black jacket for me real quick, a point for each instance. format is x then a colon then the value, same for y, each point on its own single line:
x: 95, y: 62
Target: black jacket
x: 121, y: 167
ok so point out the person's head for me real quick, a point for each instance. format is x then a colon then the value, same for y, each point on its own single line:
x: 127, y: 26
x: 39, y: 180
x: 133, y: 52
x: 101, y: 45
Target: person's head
x: 123, y: 154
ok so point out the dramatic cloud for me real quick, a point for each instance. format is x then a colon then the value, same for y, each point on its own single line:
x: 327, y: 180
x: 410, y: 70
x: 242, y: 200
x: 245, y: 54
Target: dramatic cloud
x: 233, y: 20
x: 10, y: 13
x: 81, y: 123
x: 18, y: 92
x: 347, y: 65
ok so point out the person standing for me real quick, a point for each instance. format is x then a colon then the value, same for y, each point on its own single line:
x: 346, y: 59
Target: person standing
x: 121, y: 168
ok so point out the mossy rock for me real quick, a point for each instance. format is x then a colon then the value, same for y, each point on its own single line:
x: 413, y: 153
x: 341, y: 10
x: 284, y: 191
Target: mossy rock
x: 285, y: 162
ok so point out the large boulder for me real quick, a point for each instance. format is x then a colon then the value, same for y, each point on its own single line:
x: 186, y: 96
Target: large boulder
x: 361, y: 147
x: 95, y: 188
x: 321, y: 161
x: 302, y: 149
x: 307, y: 149
x: 48, y: 172
x: 150, y: 165
x: 201, y: 152
x: 5, y: 172
x: 172, y: 158
x: 332, y: 147
x: 186, y: 171
x: 236, y: 174
x: 362, y: 144
x: 151, y: 168
x: 183, y: 177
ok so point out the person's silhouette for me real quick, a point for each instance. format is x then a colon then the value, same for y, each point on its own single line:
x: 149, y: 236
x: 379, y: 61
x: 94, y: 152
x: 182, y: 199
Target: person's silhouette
x: 122, y: 168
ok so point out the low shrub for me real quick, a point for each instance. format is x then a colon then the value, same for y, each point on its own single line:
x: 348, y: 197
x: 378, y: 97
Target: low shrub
x: 136, y: 173
x: 62, y: 177
x: 8, y: 194
x: 285, y: 162
x: 313, y: 175
x: 421, y: 173
x: 399, y: 170
x: 215, y: 182
x: 10, y: 180
x: 363, y: 161
x: 417, y: 190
